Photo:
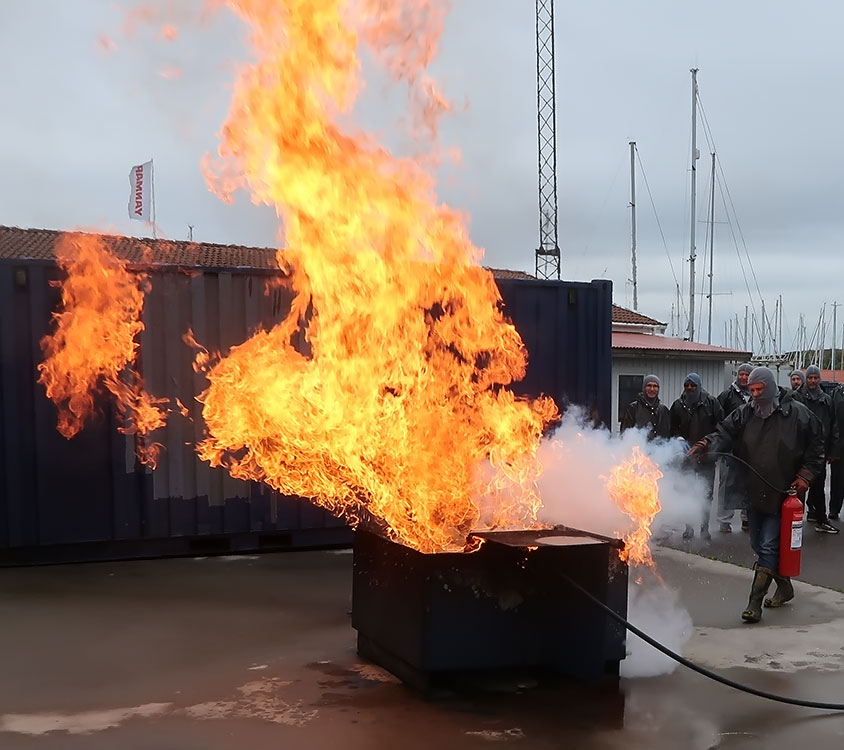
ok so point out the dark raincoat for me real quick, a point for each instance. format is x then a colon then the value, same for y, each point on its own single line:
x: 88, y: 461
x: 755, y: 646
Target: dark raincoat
x: 786, y: 444
x: 695, y: 421
x: 820, y: 404
x: 731, y: 398
x: 838, y: 412
x: 640, y: 413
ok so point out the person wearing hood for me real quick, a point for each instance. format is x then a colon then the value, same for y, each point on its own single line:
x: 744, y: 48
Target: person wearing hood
x: 781, y: 444
x: 797, y: 379
x: 695, y: 414
x: 737, y: 393
x: 730, y: 491
x: 820, y: 404
x: 647, y: 411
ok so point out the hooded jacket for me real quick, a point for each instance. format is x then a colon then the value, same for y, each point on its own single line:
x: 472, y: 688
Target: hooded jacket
x: 838, y: 414
x: 820, y: 404
x: 655, y: 417
x: 786, y: 444
x: 694, y: 421
x: 733, y: 397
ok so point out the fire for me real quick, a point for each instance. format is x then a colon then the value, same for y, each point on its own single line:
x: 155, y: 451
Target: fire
x: 94, y: 341
x: 398, y: 411
x: 633, y: 487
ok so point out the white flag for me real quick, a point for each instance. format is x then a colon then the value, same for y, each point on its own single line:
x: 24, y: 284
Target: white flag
x: 140, y: 194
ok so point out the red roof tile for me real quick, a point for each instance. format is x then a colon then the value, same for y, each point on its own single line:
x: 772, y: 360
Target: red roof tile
x: 506, y: 273
x: 39, y: 244
x: 654, y: 342
x: 623, y: 315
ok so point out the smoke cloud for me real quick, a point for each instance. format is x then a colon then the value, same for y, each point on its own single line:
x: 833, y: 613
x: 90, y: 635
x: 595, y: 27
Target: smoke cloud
x: 655, y: 609
x: 577, y: 460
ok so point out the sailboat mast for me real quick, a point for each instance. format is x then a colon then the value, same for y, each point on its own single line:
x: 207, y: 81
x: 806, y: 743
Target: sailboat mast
x: 711, y: 245
x: 692, y: 255
x: 745, y: 330
x: 633, y: 222
x: 763, y: 344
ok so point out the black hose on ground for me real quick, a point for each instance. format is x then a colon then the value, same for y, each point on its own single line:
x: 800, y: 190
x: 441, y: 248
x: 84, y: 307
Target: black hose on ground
x: 696, y: 667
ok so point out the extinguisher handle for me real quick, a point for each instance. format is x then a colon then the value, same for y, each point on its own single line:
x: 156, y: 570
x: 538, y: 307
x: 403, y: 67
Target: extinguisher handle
x: 792, y: 490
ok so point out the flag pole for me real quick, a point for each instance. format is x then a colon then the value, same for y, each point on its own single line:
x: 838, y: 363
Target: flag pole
x: 152, y: 191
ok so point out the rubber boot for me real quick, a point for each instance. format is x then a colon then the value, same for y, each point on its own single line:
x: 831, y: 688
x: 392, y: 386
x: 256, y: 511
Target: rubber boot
x: 783, y: 594
x: 762, y: 578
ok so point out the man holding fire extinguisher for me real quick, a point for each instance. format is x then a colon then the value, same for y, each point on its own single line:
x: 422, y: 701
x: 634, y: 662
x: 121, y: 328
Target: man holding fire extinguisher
x: 780, y: 446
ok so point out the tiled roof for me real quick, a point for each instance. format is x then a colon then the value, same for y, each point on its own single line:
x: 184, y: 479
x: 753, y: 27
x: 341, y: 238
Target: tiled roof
x: 623, y: 315
x: 39, y: 244
x: 654, y: 342
x: 506, y: 273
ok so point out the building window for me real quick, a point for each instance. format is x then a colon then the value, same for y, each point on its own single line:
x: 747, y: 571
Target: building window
x: 629, y: 386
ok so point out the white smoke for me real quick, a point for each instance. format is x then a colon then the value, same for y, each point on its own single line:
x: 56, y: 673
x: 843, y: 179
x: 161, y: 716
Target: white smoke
x: 654, y: 609
x: 577, y: 459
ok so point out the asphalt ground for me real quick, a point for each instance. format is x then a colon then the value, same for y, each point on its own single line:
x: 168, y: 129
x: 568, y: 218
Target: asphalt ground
x: 822, y: 558
x: 257, y: 651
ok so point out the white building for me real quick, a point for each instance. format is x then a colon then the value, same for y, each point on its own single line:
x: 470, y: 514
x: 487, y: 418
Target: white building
x: 640, y: 347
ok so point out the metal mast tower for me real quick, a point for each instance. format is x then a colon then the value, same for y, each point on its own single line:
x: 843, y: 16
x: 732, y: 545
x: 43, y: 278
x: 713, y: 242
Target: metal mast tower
x: 548, y: 252
x: 692, y: 225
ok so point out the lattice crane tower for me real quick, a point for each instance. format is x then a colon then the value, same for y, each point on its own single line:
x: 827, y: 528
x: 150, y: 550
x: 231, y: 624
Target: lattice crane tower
x: 548, y: 252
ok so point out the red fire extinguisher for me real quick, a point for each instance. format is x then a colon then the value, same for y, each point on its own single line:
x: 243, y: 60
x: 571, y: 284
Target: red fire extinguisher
x: 791, y: 535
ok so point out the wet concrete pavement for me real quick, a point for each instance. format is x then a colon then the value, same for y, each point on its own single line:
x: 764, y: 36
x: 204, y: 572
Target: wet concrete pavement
x: 822, y: 559
x: 223, y: 653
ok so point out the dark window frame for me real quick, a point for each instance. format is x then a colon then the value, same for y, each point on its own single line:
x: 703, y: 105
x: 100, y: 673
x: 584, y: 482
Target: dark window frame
x: 625, y: 385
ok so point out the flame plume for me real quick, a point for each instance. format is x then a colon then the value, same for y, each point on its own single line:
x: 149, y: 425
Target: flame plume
x: 94, y: 341
x: 400, y: 406
x: 633, y: 487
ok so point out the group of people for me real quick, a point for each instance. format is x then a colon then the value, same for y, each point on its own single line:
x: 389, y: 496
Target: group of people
x: 692, y: 416
x: 771, y: 441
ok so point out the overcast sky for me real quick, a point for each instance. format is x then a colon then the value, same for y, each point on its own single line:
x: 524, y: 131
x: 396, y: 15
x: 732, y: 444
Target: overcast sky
x: 75, y: 118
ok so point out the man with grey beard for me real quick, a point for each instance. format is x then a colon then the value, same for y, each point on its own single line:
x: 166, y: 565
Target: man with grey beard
x: 780, y: 445
x: 647, y: 411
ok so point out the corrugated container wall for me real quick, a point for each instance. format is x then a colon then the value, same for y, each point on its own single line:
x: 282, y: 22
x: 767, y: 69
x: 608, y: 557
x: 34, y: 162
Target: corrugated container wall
x: 88, y: 498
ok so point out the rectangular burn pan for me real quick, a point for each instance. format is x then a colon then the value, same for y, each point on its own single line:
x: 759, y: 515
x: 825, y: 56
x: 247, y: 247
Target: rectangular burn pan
x: 424, y: 616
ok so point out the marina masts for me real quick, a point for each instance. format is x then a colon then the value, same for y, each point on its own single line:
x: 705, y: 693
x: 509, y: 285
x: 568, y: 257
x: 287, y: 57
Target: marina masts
x: 633, y: 223
x: 692, y: 256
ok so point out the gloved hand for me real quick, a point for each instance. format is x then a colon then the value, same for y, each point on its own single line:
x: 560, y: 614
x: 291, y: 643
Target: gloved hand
x: 800, y: 484
x: 698, y: 450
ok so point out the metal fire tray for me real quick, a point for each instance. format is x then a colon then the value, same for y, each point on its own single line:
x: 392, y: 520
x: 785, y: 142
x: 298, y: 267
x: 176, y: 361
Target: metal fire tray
x: 504, y: 606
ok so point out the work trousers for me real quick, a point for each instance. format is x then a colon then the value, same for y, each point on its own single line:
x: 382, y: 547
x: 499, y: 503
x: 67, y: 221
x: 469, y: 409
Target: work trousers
x: 764, y: 537
x: 707, y: 473
x: 816, y: 498
x: 729, y: 491
x: 836, y: 487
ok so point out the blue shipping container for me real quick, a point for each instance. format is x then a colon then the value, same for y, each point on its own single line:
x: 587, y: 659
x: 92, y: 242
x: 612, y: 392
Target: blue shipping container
x: 89, y: 497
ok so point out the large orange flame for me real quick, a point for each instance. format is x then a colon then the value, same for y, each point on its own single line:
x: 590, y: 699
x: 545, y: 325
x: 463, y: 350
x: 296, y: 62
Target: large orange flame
x: 633, y: 487
x: 399, y: 411
x: 95, y: 341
